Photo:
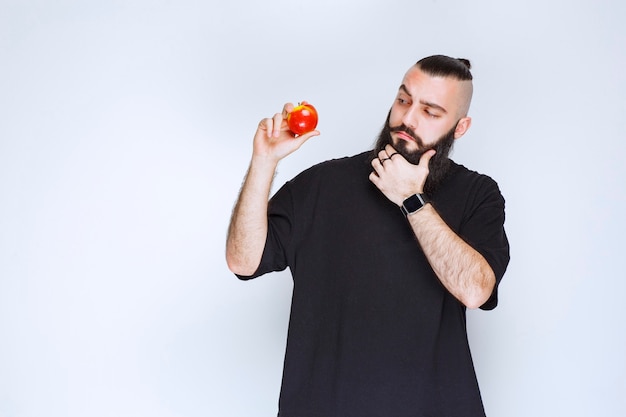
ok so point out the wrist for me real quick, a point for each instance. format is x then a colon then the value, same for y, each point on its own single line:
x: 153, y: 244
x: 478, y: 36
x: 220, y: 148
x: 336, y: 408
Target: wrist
x: 414, y: 203
x: 264, y: 161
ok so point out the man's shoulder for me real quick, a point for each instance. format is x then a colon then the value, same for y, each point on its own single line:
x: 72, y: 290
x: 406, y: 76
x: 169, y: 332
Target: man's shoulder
x: 340, y: 165
x: 470, y: 183
x: 461, y: 173
x: 345, y: 162
x: 330, y: 177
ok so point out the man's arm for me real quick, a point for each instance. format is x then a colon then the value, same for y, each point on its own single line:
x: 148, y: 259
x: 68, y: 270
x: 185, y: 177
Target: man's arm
x: 247, y: 231
x: 248, y: 225
x: 461, y: 269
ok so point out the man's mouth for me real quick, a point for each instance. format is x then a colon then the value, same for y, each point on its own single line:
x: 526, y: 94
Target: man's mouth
x: 405, y: 136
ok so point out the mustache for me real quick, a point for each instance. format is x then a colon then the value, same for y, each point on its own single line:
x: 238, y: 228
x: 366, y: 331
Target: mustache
x: 405, y: 129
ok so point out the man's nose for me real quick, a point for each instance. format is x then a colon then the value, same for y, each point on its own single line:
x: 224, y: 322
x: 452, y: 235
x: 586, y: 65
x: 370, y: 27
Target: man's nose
x: 409, y: 119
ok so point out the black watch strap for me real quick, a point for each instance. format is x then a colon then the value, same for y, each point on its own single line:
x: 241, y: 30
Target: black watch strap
x: 413, y: 203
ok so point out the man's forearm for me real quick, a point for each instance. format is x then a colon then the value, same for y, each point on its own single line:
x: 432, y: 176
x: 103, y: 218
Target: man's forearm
x: 248, y: 225
x: 462, y: 270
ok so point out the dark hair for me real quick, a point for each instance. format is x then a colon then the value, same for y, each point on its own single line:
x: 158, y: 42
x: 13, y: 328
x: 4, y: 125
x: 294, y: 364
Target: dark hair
x: 445, y: 66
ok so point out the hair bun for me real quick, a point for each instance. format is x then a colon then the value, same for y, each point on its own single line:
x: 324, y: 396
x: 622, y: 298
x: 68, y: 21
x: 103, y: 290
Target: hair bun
x: 466, y: 62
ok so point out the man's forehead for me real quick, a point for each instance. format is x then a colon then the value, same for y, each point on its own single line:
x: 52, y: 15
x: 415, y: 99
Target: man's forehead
x: 447, y: 92
x: 415, y: 78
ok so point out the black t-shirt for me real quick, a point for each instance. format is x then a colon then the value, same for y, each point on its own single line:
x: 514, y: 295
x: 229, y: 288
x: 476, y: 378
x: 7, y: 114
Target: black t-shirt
x: 372, y: 331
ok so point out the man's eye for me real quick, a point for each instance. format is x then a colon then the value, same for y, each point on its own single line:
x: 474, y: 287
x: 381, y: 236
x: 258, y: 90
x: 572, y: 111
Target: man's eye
x: 402, y: 101
x: 431, y: 114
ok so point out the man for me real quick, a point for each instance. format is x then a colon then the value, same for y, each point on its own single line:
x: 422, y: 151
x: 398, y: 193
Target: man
x: 387, y: 250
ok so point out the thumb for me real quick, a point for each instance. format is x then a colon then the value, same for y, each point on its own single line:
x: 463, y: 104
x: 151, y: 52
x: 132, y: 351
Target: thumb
x: 425, y: 159
x: 306, y: 136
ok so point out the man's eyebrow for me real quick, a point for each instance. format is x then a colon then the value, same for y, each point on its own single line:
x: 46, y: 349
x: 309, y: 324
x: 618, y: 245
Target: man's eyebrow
x: 433, y: 105
x: 424, y: 102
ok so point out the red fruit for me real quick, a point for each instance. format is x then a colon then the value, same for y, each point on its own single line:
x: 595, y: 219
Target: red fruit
x: 302, y: 119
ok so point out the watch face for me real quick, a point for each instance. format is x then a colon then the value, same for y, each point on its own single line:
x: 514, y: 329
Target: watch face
x: 413, y: 203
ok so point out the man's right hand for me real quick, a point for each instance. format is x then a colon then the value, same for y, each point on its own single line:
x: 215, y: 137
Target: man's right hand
x: 273, y: 140
x: 248, y: 225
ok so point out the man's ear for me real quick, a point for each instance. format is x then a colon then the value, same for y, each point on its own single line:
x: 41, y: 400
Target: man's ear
x: 462, y: 126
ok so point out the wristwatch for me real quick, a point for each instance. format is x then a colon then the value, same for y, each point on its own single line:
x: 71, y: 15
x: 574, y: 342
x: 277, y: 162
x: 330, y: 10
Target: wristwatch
x: 413, y: 204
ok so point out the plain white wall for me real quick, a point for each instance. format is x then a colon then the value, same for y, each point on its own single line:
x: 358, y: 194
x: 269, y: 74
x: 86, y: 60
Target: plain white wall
x: 125, y: 132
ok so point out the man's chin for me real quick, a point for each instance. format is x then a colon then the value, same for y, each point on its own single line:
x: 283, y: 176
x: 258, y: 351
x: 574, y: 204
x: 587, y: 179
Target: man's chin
x: 404, y: 144
x: 408, y: 149
x: 411, y: 155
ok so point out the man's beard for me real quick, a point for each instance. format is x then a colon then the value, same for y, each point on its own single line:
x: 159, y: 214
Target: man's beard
x: 439, y: 164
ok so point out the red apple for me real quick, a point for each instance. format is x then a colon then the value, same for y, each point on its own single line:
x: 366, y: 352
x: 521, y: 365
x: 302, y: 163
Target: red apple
x: 302, y: 119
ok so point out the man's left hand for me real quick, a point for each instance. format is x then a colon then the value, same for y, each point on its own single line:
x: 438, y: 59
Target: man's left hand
x: 396, y: 177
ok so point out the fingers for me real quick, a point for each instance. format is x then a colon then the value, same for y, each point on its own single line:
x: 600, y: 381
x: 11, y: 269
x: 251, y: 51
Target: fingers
x: 267, y: 125
x: 287, y: 108
x: 377, y: 163
x: 374, y: 178
x: 385, y: 155
x: 388, y: 153
x: 390, y: 150
x: 273, y: 125
x: 277, y: 124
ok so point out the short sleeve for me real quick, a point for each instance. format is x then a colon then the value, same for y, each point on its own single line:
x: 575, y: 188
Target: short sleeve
x: 280, y: 222
x: 484, y: 231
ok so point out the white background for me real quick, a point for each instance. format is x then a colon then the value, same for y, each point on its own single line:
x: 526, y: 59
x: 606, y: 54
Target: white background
x: 125, y: 132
